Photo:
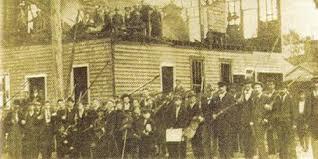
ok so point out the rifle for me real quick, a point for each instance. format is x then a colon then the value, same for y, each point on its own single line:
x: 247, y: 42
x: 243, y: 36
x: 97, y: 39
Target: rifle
x: 93, y: 82
x: 142, y: 86
x: 190, y: 131
x: 24, y: 84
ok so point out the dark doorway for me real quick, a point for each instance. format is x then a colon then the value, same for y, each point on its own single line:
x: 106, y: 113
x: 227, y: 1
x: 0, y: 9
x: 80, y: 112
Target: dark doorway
x: 37, y: 89
x: 167, y: 78
x: 80, y: 84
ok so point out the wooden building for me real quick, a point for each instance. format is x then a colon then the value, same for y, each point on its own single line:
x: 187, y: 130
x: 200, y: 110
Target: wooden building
x: 121, y: 67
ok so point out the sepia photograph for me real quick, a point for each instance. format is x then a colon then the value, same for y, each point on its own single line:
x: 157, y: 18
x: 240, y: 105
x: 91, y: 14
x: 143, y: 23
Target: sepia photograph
x: 159, y: 79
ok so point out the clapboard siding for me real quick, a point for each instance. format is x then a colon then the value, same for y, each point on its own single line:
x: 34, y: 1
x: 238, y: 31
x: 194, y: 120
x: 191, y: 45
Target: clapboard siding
x: 137, y: 64
x: 134, y: 64
x: 22, y: 61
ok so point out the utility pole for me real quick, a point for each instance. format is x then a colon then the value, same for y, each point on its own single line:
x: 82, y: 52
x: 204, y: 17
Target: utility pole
x: 241, y: 19
x: 258, y: 16
x: 200, y: 21
x: 57, y: 48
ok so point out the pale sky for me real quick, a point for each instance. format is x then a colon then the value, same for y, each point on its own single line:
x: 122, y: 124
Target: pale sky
x: 301, y: 16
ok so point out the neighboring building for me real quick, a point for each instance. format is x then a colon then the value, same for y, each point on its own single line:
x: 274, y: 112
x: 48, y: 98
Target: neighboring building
x: 129, y: 66
x: 305, y: 65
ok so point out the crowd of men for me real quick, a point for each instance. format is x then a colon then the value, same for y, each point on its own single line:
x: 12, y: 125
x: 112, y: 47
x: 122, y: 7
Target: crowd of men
x: 255, y: 120
x: 131, y: 22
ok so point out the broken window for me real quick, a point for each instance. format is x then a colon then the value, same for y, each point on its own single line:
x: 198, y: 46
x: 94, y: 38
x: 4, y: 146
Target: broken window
x: 226, y: 71
x: 37, y: 88
x: 268, y: 10
x: 197, y: 74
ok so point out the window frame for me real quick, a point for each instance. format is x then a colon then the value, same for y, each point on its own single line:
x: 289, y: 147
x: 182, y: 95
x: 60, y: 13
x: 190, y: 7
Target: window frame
x: 88, y: 81
x: 229, y: 62
x: 7, y: 89
x: 202, y: 60
x: 40, y: 75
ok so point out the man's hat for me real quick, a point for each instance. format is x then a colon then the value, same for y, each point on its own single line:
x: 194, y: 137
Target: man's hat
x: 70, y: 99
x: 270, y: 82
x: 191, y: 94
x: 258, y: 83
x: 17, y: 102
x: 314, y: 79
x: 36, y: 103
x: 222, y: 84
x: 247, y: 81
x: 125, y: 95
x: 285, y: 85
x: 177, y: 97
x: 146, y: 110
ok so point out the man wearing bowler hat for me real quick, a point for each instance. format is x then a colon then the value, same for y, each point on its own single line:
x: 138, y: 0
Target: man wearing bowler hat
x: 259, y: 120
x: 177, y: 117
x: 222, y: 101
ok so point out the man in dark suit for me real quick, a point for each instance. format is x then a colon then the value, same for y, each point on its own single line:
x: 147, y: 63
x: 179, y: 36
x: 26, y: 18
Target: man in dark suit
x: 30, y: 123
x: 177, y: 117
x: 272, y: 93
x: 301, y: 118
x: 47, y: 131
x: 195, y: 113
x: 60, y: 128
x: 85, y: 131
x: 246, y: 133
x: 117, y: 21
x: 222, y: 101
x: 313, y: 116
x: 284, y: 107
x: 66, y: 122
x: 259, y: 120
x: 209, y: 140
x: 145, y: 127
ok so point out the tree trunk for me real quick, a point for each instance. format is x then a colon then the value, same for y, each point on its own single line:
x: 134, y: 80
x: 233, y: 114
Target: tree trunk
x: 57, y: 48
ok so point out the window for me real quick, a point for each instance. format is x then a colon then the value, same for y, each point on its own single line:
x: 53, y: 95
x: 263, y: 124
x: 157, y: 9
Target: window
x: 80, y: 84
x: 250, y: 75
x: 37, y: 87
x: 167, y: 79
x: 197, y: 74
x: 4, y: 90
x: 226, y: 71
x: 234, y: 11
x: 268, y: 10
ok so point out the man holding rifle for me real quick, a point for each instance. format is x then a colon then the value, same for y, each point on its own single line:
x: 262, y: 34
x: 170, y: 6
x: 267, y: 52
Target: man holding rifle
x: 219, y: 103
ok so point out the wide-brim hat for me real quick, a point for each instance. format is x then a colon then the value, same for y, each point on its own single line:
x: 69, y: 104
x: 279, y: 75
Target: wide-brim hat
x: 222, y: 84
x: 191, y: 94
x: 314, y: 80
x: 177, y: 97
x: 146, y: 110
x: 258, y: 83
